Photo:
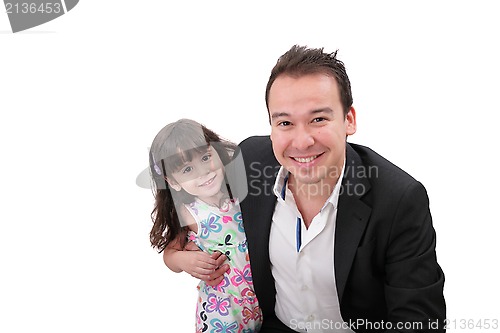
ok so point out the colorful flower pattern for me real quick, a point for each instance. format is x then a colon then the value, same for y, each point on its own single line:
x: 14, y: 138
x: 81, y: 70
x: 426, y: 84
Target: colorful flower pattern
x: 230, y: 307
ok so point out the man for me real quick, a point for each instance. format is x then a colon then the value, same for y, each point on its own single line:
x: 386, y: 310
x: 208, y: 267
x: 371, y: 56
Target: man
x: 339, y: 238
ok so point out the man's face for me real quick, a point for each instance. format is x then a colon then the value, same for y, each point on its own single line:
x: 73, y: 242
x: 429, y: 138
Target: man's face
x: 309, y: 128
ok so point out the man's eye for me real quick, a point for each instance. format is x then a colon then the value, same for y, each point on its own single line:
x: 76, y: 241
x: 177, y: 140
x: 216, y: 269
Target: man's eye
x: 319, y: 119
x: 284, y: 123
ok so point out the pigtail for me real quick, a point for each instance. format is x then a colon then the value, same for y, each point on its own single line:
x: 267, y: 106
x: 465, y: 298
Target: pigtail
x: 165, y: 218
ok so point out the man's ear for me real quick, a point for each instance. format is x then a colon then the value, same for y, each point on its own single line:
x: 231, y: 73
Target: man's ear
x: 350, y: 122
x: 173, y: 184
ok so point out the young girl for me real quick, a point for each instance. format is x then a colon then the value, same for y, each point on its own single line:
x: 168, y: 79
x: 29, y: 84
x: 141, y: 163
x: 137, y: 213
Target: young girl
x: 193, y: 202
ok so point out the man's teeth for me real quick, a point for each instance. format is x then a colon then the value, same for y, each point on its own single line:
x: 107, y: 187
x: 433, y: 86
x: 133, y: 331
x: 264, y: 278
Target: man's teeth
x: 305, y: 159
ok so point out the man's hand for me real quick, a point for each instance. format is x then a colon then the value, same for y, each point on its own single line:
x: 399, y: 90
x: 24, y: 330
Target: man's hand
x: 210, y: 269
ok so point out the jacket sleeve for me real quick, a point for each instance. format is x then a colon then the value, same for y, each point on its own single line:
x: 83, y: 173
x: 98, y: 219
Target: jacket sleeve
x: 414, y: 281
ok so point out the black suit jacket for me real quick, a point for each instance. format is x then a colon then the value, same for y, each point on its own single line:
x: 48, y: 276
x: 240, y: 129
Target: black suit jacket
x: 385, y: 262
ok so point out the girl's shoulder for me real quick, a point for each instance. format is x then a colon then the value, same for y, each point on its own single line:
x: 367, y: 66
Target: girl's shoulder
x: 229, y: 205
x: 186, y: 218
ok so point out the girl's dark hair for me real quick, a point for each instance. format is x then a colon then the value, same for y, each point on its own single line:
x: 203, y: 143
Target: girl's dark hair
x: 301, y: 60
x: 172, y: 147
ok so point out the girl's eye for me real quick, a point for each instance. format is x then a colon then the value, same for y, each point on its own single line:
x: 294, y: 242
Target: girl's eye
x: 206, y: 158
x: 187, y: 169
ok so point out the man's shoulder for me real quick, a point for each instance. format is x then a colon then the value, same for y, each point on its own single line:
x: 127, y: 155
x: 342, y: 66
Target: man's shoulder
x: 257, y: 146
x: 256, y: 141
x: 258, y: 155
x: 376, y: 167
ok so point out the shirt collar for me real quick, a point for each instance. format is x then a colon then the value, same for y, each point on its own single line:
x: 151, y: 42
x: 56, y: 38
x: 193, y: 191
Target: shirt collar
x: 334, y: 197
x: 280, y: 187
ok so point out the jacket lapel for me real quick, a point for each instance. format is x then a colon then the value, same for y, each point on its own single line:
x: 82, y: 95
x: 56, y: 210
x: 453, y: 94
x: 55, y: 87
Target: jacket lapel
x: 257, y: 218
x: 352, y: 217
x: 257, y: 209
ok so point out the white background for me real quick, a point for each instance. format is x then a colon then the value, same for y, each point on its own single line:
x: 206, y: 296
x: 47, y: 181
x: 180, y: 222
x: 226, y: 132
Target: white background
x: 82, y: 97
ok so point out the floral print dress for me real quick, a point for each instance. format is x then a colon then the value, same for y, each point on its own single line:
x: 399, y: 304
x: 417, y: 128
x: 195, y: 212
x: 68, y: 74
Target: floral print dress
x: 231, y: 306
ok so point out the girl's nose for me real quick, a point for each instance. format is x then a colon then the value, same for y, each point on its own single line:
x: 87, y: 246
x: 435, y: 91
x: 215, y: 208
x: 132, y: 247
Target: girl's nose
x: 206, y: 169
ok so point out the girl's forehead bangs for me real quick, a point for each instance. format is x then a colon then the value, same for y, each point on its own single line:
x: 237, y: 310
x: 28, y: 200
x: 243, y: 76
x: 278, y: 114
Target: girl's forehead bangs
x: 175, y: 162
x: 178, y: 151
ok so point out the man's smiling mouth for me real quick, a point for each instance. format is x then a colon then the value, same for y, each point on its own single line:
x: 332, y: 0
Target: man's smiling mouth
x: 305, y: 159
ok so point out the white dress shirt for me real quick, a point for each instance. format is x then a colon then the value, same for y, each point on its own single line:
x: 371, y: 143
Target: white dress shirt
x: 302, y: 263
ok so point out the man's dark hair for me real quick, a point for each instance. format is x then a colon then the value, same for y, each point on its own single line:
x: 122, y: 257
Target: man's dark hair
x: 301, y: 60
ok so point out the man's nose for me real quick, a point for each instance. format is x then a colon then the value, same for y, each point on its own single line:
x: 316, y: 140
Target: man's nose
x: 302, y: 139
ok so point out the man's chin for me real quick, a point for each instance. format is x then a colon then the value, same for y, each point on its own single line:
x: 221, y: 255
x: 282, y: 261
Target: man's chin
x: 302, y: 179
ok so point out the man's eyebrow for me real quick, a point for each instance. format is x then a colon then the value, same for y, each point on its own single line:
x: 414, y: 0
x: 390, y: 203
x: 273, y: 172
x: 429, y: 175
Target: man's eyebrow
x: 279, y: 114
x: 285, y: 114
x: 323, y: 110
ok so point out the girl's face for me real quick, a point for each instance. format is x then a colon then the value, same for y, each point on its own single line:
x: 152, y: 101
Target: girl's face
x: 201, y: 177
